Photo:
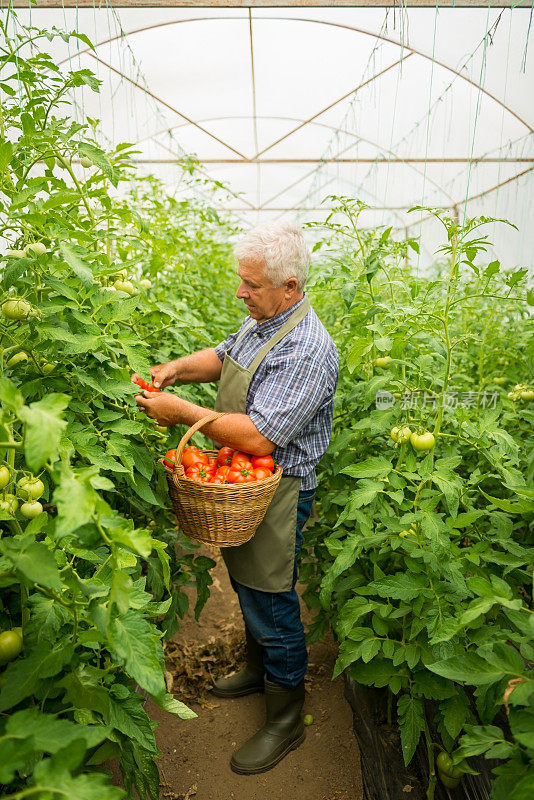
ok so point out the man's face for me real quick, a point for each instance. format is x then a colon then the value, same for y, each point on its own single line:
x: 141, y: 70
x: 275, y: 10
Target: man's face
x: 261, y: 297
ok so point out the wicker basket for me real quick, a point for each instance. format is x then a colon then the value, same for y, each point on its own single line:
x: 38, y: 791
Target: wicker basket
x: 223, y: 515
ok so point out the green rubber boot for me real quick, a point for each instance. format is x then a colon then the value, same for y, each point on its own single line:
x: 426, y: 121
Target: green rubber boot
x: 249, y: 679
x: 283, y: 731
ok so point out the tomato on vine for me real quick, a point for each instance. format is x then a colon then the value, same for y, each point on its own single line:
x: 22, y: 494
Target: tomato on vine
x: 5, y: 477
x: 401, y: 434
x: 422, y: 441
x: 32, y: 488
x: 10, y: 646
x: 16, y: 309
x: 31, y: 509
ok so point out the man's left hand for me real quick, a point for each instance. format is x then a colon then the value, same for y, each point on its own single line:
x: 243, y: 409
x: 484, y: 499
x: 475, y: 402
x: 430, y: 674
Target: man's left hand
x: 166, y: 408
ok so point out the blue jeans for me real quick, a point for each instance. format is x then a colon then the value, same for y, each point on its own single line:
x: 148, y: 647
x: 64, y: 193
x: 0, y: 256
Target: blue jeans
x: 273, y: 618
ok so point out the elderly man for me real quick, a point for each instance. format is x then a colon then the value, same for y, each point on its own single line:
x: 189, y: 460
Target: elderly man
x: 278, y: 374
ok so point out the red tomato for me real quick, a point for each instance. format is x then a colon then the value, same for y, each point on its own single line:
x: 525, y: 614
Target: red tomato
x: 170, y: 458
x: 260, y: 473
x: 222, y: 472
x: 192, y: 455
x: 224, y: 459
x: 240, y: 458
x: 240, y: 474
x: 212, y: 461
x: 218, y: 479
x: 200, y: 473
x: 146, y: 387
x: 263, y: 461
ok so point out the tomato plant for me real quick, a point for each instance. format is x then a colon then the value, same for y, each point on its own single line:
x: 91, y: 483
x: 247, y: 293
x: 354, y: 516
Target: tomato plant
x: 421, y: 556
x: 104, y: 275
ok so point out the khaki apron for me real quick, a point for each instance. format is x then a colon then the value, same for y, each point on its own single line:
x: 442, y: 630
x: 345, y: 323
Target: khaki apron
x: 266, y: 561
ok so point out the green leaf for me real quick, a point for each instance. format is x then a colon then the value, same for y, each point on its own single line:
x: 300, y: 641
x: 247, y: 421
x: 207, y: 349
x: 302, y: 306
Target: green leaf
x: 400, y: 586
x: 24, y: 675
x: 75, y: 499
x: 169, y: 703
x: 14, y: 753
x: 57, y: 781
x: 136, y: 644
x: 469, y: 668
x: 377, y: 467
x: 33, y: 561
x: 99, y: 159
x: 51, y: 734
x: 80, y: 268
x: 6, y: 154
x: 44, y: 427
x: 455, y: 711
x: 411, y: 717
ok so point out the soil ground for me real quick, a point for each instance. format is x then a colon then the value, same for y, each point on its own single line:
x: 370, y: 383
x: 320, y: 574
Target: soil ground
x: 196, y: 753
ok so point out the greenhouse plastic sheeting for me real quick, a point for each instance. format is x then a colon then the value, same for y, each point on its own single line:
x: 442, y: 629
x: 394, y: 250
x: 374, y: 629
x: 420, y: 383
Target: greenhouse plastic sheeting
x: 287, y: 106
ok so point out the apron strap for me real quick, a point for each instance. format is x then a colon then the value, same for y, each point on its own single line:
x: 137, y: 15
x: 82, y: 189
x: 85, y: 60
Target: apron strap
x: 296, y: 317
x: 243, y: 332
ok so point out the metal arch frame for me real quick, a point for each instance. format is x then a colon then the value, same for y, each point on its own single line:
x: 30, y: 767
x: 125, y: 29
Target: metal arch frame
x: 243, y: 158
x: 159, y: 100
x: 352, y: 28
x: 296, y: 119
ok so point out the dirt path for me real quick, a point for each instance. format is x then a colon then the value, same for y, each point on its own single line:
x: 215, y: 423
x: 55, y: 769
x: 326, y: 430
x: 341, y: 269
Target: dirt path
x: 196, y: 754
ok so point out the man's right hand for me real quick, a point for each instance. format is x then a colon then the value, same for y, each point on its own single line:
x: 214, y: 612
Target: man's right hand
x: 162, y: 375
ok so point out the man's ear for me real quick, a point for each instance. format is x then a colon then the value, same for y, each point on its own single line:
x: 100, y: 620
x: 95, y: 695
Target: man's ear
x: 291, y: 286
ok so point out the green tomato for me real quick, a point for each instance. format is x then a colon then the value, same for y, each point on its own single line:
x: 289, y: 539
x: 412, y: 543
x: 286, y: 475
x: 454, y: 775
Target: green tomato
x: 12, y: 501
x: 444, y: 761
x: 18, y: 358
x: 5, y: 506
x: 401, y: 435
x: 527, y: 394
x: 15, y: 253
x: 10, y: 646
x: 450, y: 783
x: 145, y: 283
x: 35, y: 249
x: 308, y: 719
x: 31, y: 509
x: 125, y: 286
x: 86, y: 162
x: 499, y: 380
x: 5, y: 477
x: 422, y: 441
x: 122, y: 272
x: 31, y: 487
x: 16, y: 309
x: 382, y: 361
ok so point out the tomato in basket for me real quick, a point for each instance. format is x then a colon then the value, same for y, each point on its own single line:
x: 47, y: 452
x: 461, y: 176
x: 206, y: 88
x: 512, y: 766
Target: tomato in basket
x: 241, y: 473
x: 170, y: 458
x: 240, y: 458
x: 260, y: 473
x: 224, y: 457
x: 200, y: 472
x: 192, y: 455
x: 266, y: 462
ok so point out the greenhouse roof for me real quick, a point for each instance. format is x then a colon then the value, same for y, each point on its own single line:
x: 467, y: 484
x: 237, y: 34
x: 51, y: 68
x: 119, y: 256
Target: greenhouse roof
x: 288, y: 105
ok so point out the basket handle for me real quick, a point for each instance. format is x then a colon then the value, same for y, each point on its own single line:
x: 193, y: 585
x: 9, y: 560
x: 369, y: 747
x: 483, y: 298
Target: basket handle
x: 213, y: 415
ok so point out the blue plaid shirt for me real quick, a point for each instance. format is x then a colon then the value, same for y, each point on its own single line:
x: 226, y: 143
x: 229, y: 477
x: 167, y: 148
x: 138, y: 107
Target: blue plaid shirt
x: 291, y: 396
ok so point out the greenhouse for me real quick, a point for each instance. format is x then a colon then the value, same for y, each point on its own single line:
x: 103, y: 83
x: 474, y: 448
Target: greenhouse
x: 266, y: 400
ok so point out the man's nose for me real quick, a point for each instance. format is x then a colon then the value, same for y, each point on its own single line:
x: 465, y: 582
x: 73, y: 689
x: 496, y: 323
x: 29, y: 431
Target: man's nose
x: 241, y: 292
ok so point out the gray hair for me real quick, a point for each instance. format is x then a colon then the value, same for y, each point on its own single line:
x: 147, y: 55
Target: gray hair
x: 283, y: 248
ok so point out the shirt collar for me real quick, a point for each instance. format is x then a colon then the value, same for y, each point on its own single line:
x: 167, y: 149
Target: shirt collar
x: 270, y: 326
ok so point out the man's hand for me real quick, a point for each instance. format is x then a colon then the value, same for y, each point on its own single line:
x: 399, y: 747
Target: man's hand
x: 162, y: 375
x: 163, y: 407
